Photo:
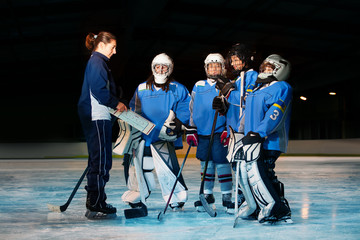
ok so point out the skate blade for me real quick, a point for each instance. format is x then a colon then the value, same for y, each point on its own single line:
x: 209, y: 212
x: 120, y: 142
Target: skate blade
x: 230, y: 211
x: 99, y: 215
x: 279, y: 222
x: 177, y: 209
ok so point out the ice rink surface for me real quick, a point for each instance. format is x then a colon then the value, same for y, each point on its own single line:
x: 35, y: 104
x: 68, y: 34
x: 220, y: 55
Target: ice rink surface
x: 323, y: 193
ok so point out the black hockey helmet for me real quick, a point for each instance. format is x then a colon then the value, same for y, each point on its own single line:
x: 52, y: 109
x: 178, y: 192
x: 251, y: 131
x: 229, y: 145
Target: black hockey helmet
x: 244, y: 52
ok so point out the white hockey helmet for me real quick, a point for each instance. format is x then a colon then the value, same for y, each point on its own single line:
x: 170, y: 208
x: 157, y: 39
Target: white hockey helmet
x: 281, y: 67
x: 165, y: 60
x: 214, y: 58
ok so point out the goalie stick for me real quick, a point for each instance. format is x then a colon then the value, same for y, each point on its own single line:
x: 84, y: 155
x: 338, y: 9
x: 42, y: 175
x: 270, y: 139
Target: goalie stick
x: 161, y: 214
x: 236, y: 210
x: 65, y: 206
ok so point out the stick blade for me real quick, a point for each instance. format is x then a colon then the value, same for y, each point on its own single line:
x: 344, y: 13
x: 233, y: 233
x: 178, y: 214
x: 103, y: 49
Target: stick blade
x: 235, y: 221
x: 160, y: 216
x: 53, y: 208
x: 206, y: 206
x: 136, y: 212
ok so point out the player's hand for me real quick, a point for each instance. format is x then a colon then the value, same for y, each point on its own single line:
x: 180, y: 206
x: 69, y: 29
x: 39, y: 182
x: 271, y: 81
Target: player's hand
x: 121, y: 107
x: 251, y: 138
x: 224, y: 85
x: 220, y: 104
x: 224, y: 138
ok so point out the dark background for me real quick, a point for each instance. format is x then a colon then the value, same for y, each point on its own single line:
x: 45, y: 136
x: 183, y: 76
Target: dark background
x: 43, y: 56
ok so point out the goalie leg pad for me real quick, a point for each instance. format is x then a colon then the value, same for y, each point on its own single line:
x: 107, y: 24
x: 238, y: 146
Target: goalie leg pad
x: 133, y: 195
x: 167, y: 168
x: 148, y: 167
x: 264, y: 192
x: 249, y: 206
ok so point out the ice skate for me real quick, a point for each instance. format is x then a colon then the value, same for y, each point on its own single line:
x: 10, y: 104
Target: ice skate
x: 100, y: 212
x: 97, y: 210
x: 99, y: 215
x: 177, y: 207
x: 229, y: 205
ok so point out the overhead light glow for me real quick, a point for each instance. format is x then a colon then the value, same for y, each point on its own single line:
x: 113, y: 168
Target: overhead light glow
x: 303, y: 98
x: 332, y: 93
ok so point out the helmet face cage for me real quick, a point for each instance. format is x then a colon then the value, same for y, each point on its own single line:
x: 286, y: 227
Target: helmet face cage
x: 280, y: 66
x: 161, y: 61
x: 214, y: 58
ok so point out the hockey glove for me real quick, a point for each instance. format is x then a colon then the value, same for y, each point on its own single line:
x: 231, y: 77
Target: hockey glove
x: 224, y: 85
x: 224, y: 139
x: 220, y: 104
x: 192, y: 137
x: 173, y: 128
x: 251, y: 138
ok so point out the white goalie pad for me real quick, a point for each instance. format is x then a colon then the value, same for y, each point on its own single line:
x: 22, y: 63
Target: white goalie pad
x: 249, y: 206
x: 260, y: 192
x: 128, y: 139
x: 252, y: 151
x: 235, y: 151
x: 167, y: 167
x: 138, y: 189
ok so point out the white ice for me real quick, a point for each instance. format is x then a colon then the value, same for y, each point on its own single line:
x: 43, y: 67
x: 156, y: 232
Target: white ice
x: 323, y: 192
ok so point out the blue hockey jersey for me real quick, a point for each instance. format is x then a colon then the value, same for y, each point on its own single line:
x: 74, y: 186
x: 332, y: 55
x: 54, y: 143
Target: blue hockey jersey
x: 202, y: 113
x: 233, y: 114
x: 267, y: 112
x: 155, y: 105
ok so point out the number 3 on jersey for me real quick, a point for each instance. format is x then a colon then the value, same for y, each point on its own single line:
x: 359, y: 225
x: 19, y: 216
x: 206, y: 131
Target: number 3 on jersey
x: 274, y: 115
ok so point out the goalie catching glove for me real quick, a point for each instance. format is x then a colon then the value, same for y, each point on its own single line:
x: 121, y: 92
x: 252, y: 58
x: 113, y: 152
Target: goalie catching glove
x: 173, y: 128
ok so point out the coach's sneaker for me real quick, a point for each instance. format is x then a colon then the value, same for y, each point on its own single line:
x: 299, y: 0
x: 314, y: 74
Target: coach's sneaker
x: 209, y: 198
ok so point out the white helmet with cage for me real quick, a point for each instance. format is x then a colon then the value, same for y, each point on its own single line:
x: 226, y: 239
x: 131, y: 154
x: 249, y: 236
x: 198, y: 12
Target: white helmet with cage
x: 166, y: 63
x: 280, y: 68
x: 214, y: 58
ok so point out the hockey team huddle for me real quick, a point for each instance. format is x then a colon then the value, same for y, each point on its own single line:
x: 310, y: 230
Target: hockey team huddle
x: 239, y: 125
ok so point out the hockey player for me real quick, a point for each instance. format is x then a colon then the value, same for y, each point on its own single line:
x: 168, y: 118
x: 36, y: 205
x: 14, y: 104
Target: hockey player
x: 202, y: 116
x: 266, y: 128
x: 241, y: 60
x: 98, y: 93
x: 165, y: 102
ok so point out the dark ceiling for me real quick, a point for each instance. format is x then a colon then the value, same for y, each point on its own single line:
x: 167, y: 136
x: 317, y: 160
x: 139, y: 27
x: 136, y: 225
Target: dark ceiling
x: 43, y: 52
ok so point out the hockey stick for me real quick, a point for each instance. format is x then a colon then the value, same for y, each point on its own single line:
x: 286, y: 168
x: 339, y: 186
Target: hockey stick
x: 161, y: 214
x: 204, y: 203
x: 236, y: 210
x: 65, y: 206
